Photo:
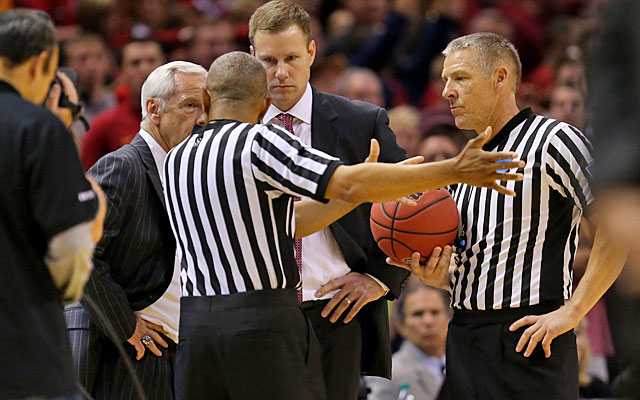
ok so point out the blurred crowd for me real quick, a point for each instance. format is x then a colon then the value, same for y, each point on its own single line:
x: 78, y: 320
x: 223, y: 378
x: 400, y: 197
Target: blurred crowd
x: 386, y: 52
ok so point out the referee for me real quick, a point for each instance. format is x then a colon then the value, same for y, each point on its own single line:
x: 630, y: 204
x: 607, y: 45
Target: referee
x: 229, y: 193
x: 511, y: 288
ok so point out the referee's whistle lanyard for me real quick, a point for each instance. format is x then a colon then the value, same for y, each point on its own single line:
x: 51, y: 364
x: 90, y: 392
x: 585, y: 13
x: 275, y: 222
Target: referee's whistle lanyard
x: 461, y: 240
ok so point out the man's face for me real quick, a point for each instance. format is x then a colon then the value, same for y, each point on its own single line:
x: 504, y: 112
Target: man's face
x: 89, y: 59
x: 365, y: 88
x: 471, y: 95
x: 212, y: 41
x: 567, y: 105
x: 184, y: 109
x: 287, y: 58
x: 437, y: 148
x: 139, y: 59
x: 426, y: 321
x: 407, y: 137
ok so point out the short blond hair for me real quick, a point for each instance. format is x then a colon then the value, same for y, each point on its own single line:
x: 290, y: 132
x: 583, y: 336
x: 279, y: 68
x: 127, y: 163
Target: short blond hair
x: 277, y: 15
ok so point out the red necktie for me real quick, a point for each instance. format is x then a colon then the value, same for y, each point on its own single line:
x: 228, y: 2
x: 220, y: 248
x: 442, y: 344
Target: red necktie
x: 287, y: 120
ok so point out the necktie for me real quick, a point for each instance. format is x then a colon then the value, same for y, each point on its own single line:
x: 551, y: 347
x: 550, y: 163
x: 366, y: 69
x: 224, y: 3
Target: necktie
x: 287, y: 120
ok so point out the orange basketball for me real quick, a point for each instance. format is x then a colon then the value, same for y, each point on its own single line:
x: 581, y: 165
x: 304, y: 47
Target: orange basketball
x: 400, y: 230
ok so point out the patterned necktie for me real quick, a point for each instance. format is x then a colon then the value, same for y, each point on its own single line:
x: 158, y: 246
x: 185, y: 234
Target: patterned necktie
x: 287, y: 120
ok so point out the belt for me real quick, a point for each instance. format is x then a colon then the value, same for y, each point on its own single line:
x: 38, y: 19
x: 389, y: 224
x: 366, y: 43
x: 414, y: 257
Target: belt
x: 305, y: 305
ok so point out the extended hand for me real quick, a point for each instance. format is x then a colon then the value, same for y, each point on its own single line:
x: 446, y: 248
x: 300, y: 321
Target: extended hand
x: 435, y: 272
x: 356, y: 290
x: 477, y: 167
x: 147, y: 328
x: 544, y: 328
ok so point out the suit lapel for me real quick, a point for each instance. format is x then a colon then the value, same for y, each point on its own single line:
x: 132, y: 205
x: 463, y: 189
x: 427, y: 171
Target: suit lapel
x: 149, y: 163
x: 324, y: 133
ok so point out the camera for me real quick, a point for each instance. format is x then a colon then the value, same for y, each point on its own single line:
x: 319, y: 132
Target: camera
x: 64, y: 102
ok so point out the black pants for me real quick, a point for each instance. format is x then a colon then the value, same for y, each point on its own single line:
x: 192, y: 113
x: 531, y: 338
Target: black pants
x: 341, y: 347
x: 482, y: 362
x: 246, y: 346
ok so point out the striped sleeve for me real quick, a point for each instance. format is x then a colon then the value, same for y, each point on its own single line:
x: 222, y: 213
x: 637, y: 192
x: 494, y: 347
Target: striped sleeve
x: 286, y: 164
x: 567, y: 163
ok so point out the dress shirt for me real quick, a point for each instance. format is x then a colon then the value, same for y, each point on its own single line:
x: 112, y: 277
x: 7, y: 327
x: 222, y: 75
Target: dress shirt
x: 322, y: 259
x: 166, y: 310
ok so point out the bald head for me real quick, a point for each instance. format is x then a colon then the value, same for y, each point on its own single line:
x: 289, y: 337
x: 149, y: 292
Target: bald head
x: 237, y: 76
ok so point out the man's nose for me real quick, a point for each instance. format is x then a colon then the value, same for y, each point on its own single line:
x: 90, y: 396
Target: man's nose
x: 202, y: 119
x: 281, y: 71
x: 448, y: 93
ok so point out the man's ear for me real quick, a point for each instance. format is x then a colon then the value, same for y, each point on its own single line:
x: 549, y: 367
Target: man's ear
x: 501, y: 77
x: 312, y: 52
x: 206, y: 100
x: 153, y: 110
x: 37, y: 64
x: 265, y: 107
x: 252, y: 50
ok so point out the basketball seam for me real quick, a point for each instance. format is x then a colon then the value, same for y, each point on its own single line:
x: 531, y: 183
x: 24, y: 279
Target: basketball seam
x: 393, y: 221
x: 413, y: 233
x: 422, y: 209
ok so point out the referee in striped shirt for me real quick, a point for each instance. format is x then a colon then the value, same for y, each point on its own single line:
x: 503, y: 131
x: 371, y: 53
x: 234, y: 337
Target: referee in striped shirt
x: 511, y: 286
x: 229, y: 193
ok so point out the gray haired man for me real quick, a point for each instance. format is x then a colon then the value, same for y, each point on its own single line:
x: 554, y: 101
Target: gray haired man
x: 132, y: 296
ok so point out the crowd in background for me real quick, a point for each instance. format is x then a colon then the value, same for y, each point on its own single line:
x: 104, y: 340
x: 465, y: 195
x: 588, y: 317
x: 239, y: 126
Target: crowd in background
x: 386, y: 52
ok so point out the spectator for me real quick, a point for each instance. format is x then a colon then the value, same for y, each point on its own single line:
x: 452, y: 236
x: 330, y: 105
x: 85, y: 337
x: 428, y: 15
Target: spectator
x: 424, y: 315
x: 571, y: 72
x: 211, y: 39
x: 89, y: 56
x: 404, y: 121
x: 441, y: 142
x: 116, y: 127
x: 567, y: 105
x: 361, y: 84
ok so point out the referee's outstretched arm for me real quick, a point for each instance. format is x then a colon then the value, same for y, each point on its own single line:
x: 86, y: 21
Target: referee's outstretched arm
x: 377, y: 182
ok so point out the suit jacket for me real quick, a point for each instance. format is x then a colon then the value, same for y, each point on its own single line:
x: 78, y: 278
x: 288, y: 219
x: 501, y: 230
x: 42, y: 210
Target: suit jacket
x: 344, y: 128
x: 134, y: 260
x: 407, y: 368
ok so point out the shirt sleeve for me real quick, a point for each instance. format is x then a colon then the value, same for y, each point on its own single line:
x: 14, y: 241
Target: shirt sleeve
x: 59, y: 194
x: 567, y: 163
x: 284, y: 163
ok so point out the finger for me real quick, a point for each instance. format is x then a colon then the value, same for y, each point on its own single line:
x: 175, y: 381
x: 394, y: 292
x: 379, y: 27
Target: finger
x: 524, y: 338
x: 395, y: 263
x: 155, y: 327
x: 481, y: 139
x: 506, y: 165
x: 330, y: 286
x: 524, y: 321
x: 415, y: 261
x: 355, y: 309
x: 157, y: 338
x: 139, y: 350
x: 505, y: 155
x: 501, y: 176
x: 502, y: 189
x: 342, y: 306
x: 533, y: 342
x: 546, y: 344
x: 445, y: 259
x: 407, y: 201
x: 54, y: 96
x: 374, y: 151
x: 335, y: 300
x: 154, y: 349
x: 412, y: 160
x: 432, y: 262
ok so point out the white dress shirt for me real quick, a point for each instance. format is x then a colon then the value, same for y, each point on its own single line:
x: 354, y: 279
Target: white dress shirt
x: 322, y: 259
x: 166, y: 310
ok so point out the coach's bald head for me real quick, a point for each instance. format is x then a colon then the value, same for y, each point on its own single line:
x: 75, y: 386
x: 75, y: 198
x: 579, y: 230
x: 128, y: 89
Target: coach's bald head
x: 237, y: 88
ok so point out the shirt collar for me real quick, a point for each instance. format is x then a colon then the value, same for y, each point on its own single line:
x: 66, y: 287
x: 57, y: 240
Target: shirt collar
x: 506, y: 130
x: 7, y: 87
x: 301, y: 110
x: 157, y: 151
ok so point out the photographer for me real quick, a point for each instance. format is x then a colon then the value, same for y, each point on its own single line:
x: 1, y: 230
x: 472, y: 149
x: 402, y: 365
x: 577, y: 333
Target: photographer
x: 50, y: 214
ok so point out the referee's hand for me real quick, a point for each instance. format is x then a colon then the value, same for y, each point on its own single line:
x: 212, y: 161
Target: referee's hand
x: 544, y: 328
x: 477, y: 167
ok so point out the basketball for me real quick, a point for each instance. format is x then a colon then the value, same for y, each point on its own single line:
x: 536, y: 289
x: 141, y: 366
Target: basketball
x: 400, y: 229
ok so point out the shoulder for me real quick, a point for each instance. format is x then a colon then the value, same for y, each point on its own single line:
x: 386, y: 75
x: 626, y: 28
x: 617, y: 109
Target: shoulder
x: 122, y: 164
x: 344, y: 105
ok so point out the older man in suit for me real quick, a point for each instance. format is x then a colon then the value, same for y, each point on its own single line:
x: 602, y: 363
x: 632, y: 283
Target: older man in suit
x: 344, y: 274
x: 419, y: 364
x: 132, y: 296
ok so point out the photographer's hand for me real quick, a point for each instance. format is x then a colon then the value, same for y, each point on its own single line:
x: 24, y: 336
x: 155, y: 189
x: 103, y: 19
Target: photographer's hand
x: 51, y: 103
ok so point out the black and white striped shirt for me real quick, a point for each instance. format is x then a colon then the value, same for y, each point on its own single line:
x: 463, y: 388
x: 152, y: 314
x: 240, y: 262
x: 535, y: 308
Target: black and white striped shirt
x: 519, y: 250
x: 229, y: 193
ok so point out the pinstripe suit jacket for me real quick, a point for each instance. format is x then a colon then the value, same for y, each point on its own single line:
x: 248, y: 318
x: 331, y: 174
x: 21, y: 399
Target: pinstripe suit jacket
x: 133, y: 262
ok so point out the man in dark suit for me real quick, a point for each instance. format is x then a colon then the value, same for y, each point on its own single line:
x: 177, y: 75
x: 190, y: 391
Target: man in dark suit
x: 342, y: 267
x: 133, y: 293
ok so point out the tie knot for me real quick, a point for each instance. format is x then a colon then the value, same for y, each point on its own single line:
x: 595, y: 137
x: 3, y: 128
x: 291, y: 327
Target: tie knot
x: 287, y: 120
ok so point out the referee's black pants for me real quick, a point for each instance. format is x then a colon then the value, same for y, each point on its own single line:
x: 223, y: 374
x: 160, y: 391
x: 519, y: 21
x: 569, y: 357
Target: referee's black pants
x: 247, y: 346
x: 482, y: 363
